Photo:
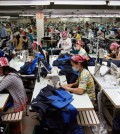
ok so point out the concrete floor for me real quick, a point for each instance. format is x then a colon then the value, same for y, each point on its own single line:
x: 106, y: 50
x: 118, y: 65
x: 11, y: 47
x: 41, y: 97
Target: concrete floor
x: 29, y: 123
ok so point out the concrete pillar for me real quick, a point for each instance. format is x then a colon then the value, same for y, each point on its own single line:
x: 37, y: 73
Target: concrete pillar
x: 39, y: 26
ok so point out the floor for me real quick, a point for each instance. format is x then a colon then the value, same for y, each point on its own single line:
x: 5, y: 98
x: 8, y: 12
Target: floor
x: 29, y: 123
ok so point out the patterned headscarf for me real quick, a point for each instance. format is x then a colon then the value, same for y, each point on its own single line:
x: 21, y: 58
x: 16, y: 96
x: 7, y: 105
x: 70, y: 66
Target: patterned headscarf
x: 4, y: 62
x: 113, y: 46
x: 78, y: 58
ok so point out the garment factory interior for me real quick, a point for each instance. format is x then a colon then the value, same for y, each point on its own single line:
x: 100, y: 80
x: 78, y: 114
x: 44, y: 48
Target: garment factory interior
x: 60, y: 67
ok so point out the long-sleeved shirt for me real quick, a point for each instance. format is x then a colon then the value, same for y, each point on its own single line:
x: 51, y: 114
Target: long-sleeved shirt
x: 3, y: 32
x: 13, y: 83
x: 66, y: 45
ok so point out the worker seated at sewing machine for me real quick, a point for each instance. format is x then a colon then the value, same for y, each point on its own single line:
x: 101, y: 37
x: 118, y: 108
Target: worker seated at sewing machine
x: 115, y: 54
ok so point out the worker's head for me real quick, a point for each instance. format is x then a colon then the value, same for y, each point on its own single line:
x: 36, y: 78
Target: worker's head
x: 79, y: 44
x: 64, y: 35
x: 35, y: 44
x: 78, y: 62
x: 114, y: 46
x: 5, y: 69
x: 3, y: 63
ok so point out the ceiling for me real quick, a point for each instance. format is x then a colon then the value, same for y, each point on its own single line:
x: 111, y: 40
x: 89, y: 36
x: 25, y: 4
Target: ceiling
x: 53, y: 9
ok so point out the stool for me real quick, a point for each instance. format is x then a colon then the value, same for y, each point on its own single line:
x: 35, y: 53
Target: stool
x: 87, y: 118
x: 13, y: 117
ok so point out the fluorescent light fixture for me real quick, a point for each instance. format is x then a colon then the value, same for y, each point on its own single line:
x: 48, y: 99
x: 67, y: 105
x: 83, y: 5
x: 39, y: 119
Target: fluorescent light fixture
x: 114, y: 3
x: 80, y: 2
x: 15, y: 3
x: 4, y: 17
x: 29, y: 15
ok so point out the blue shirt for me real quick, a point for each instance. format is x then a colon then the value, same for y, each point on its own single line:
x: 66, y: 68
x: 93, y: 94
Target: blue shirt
x: 3, y: 32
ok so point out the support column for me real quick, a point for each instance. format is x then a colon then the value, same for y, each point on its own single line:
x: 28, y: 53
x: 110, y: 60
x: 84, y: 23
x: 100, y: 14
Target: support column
x: 40, y: 26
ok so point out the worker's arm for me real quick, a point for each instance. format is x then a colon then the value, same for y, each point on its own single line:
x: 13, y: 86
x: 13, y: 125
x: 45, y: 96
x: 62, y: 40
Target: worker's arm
x: 73, y: 90
x: 60, y: 43
x: 5, y: 83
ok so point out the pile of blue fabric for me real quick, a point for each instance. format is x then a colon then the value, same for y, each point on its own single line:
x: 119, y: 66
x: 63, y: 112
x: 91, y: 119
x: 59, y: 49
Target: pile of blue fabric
x: 63, y: 63
x: 58, y: 115
x: 41, y: 56
x: 30, y: 67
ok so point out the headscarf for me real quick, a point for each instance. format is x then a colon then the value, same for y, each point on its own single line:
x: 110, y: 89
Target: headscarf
x: 113, y: 46
x: 4, y: 62
x: 78, y: 58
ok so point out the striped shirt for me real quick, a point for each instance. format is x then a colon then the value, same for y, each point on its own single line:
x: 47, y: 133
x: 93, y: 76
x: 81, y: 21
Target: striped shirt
x: 13, y: 83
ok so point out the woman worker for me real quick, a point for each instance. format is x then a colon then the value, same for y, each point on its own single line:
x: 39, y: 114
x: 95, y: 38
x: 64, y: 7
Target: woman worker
x: 65, y: 42
x: 115, y: 48
x: 81, y: 50
x: 85, y: 81
x: 13, y: 84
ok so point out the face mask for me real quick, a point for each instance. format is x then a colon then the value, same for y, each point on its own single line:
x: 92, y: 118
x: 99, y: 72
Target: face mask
x: 113, y: 51
x: 75, y: 48
x: 75, y: 69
